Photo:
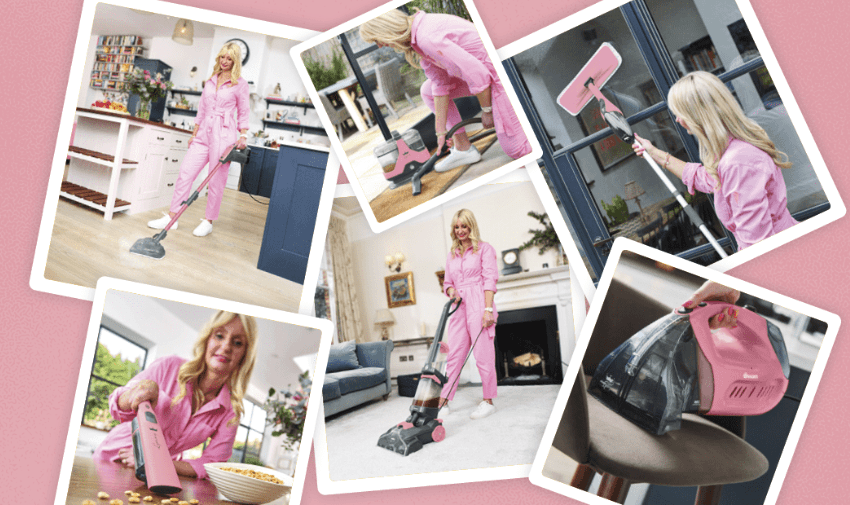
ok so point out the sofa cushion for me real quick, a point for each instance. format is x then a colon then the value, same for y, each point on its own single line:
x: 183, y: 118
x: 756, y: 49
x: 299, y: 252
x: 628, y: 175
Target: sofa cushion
x: 342, y: 357
x: 330, y: 390
x: 360, y: 378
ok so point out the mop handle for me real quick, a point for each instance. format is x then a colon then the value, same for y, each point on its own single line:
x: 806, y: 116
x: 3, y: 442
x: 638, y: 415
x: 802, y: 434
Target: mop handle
x: 692, y: 214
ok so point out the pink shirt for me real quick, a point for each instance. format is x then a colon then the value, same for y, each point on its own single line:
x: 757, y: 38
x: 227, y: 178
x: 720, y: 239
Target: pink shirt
x: 182, y: 429
x: 450, y: 47
x: 472, y: 268
x: 752, y: 201
x: 216, y: 106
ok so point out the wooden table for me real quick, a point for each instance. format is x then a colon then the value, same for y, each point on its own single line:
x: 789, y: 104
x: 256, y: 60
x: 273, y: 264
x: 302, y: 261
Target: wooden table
x: 345, y: 90
x: 90, y: 475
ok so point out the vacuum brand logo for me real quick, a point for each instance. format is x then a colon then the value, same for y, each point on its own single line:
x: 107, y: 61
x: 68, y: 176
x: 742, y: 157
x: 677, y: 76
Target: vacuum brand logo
x: 750, y: 376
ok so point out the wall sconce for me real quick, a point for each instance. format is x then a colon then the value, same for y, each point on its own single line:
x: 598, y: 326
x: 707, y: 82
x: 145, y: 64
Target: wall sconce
x: 193, y: 71
x: 394, y: 261
x: 384, y: 320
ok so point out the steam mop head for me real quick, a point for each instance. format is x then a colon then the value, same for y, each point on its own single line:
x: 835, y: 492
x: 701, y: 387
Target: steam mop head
x: 679, y: 364
x: 148, y: 247
x: 605, y: 61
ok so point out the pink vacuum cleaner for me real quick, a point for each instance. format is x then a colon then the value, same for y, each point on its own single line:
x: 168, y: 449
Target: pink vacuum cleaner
x: 422, y: 426
x: 585, y: 86
x: 154, y: 466
x: 413, y: 159
x: 679, y: 364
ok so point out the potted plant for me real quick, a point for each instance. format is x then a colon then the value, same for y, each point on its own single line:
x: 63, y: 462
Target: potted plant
x: 287, y: 411
x: 141, y: 82
x: 544, y: 239
x: 617, y: 210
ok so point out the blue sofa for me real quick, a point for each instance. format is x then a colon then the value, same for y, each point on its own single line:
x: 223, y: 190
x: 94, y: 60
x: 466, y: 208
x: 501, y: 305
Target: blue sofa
x: 356, y: 373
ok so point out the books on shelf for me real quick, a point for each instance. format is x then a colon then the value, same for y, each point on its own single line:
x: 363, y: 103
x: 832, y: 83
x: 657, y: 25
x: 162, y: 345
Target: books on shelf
x: 114, y: 57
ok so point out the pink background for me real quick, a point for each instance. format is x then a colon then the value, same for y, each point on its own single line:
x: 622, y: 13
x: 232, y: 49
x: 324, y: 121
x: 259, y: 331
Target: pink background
x: 43, y: 334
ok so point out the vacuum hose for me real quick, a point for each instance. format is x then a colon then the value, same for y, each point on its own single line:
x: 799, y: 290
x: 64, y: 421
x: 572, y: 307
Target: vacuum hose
x: 424, y: 169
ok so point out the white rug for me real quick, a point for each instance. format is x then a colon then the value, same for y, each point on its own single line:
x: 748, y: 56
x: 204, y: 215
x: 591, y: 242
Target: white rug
x: 508, y: 437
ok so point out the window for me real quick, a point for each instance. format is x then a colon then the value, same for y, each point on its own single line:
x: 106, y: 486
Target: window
x: 117, y: 360
x: 249, y: 435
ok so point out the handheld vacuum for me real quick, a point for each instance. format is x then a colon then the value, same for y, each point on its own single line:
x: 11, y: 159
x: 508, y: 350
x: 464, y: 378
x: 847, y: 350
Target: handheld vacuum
x: 413, y: 160
x: 150, y: 246
x: 422, y: 426
x: 680, y: 364
x: 585, y: 86
x: 153, y: 463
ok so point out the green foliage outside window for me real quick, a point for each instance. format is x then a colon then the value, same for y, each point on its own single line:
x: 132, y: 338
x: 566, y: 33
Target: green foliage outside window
x: 112, y: 368
x: 323, y: 75
x: 454, y: 7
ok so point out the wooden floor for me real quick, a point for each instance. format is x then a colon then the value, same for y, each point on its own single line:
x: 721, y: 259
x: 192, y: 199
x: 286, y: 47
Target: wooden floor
x: 85, y: 247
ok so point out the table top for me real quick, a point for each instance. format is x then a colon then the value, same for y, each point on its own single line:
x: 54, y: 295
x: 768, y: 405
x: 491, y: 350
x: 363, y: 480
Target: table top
x: 90, y: 476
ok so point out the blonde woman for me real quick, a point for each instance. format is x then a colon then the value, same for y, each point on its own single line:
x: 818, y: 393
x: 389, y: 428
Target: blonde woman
x: 225, y: 92
x: 194, y: 400
x: 740, y: 164
x: 471, y: 275
x: 450, y: 51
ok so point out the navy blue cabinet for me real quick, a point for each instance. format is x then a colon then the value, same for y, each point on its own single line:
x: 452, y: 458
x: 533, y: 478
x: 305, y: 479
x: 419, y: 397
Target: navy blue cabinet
x: 258, y: 172
x: 294, y: 203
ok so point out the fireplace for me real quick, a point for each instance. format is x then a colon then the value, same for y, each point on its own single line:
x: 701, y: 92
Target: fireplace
x: 528, y: 350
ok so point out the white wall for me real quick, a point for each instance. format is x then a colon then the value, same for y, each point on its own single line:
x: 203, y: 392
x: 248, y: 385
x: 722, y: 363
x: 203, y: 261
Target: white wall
x: 500, y: 210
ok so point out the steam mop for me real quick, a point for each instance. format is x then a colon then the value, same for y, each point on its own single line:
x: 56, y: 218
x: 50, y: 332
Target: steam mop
x: 413, y: 160
x: 151, y: 247
x: 422, y: 426
x: 153, y: 462
x: 585, y: 86
x: 679, y: 364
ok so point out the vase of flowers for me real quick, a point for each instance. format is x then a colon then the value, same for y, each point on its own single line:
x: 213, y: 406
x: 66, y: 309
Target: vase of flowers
x: 148, y: 88
x: 287, y: 411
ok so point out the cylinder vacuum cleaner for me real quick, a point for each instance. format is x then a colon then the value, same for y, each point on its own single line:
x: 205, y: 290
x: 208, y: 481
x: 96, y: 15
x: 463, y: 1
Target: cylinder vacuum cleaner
x: 585, y: 86
x: 153, y: 461
x: 422, y: 426
x: 405, y: 158
x: 679, y: 364
x: 150, y: 246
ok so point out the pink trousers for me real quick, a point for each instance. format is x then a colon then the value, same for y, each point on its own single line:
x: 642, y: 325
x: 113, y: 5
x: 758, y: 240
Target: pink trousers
x: 197, y: 157
x: 508, y: 128
x: 463, y: 328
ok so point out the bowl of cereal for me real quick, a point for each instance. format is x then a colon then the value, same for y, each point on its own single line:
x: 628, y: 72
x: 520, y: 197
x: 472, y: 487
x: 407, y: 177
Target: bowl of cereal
x: 244, y: 483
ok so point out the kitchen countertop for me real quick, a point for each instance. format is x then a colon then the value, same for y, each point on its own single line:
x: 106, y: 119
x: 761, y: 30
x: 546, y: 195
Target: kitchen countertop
x: 300, y: 145
x: 119, y: 115
x: 90, y: 475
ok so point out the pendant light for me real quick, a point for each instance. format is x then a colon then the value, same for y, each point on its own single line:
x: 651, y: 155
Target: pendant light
x: 184, y: 31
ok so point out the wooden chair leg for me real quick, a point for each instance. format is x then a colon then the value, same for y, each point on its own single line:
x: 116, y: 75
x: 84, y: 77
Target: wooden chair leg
x: 708, y: 495
x: 583, y: 477
x: 613, y: 488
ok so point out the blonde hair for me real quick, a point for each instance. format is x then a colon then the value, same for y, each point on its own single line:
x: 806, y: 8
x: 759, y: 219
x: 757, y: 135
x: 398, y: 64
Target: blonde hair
x: 393, y: 29
x: 465, y: 216
x: 232, y: 50
x: 194, y: 369
x: 713, y: 115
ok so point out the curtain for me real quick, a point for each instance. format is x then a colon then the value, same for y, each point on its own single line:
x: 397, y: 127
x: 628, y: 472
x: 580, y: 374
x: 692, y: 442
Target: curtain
x: 349, y: 326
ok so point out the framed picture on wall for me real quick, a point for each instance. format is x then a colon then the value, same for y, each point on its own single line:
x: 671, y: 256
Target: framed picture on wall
x: 400, y: 291
x: 610, y: 150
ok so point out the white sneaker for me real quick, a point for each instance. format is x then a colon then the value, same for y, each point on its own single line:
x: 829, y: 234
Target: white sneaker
x: 458, y: 159
x: 161, y: 223
x: 484, y: 409
x: 203, y: 229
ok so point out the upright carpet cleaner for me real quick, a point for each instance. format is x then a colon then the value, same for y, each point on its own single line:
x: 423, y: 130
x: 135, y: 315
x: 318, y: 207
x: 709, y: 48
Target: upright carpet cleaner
x: 679, y: 364
x: 151, y: 247
x: 585, y: 86
x: 413, y: 160
x: 153, y: 462
x: 422, y: 426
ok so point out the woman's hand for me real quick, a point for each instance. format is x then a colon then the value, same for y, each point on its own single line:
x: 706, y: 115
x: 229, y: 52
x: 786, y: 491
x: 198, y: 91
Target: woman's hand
x: 242, y: 143
x: 487, y: 319
x: 642, y: 146
x: 712, y: 291
x: 441, y: 141
x: 126, y: 457
x: 145, y: 390
x: 452, y: 292
x: 191, y: 139
x: 487, y: 119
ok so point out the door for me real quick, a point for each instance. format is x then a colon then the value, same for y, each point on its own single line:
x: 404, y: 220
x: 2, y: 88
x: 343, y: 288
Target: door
x: 292, y: 213
x: 603, y: 189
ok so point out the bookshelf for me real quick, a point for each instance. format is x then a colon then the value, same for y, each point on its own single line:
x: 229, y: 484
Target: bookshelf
x: 114, y: 58
x: 701, y: 55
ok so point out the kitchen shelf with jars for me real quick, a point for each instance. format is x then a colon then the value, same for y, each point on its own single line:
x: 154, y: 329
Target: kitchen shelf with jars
x: 114, y: 58
x: 181, y: 104
x: 285, y: 119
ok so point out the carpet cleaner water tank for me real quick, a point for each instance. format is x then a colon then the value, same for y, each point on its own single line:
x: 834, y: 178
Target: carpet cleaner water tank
x: 679, y: 364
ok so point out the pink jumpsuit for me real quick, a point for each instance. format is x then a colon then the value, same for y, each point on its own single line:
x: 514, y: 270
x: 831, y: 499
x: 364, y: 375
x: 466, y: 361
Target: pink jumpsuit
x: 181, y: 428
x: 456, y: 63
x: 470, y: 275
x: 752, y: 201
x: 217, y: 130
